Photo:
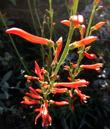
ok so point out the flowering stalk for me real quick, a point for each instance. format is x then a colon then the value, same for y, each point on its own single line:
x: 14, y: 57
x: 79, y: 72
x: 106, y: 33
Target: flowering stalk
x: 71, y: 30
x: 47, y: 77
x: 88, y: 32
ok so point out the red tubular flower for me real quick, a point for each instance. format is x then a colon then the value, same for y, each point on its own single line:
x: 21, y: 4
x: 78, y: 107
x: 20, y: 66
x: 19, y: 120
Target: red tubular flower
x: 30, y: 78
x: 59, y: 103
x: 96, y: 66
x: 43, y: 112
x: 66, y: 67
x: 59, y: 90
x: 34, y: 96
x: 38, y: 71
x: 32, y: 90
x: 58, y: 50
x: 98, y: 25
x: 66, y: 22
x: 27, y: 36
x: 83, y: 97
x: 29, y: 101
x: 89, y: 56
x: 76, y: 20
x: 83, y: 42
x: 76, y: 84
x: 31, y: 97
x: 38, y: 90
x: 82, y: 30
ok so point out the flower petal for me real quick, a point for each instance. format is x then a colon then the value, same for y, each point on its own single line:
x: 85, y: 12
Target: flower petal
x: 38, y: 71
x: 96, y: 66
x: 27, y: 36
x: 89, y: 56
x: 75, y: 84
x: 98, y: 25
x: 66, y: 22
x: 58, y: 50
x: 59, y: 103
x: 83, y: 42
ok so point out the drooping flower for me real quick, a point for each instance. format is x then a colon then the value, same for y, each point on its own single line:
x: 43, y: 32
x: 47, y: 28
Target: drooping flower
x: 58, y: 50
x: 83, y: 42
x: 96, y: 66
x: 89, y: 56
x: 43, y: 112
x: 83, y: 97
x: 76, y: 84
x: 32, y: 97
x: 27, y: 36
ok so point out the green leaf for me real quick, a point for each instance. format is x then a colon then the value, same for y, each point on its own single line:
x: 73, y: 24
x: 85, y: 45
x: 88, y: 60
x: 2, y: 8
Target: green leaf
x: 7, y: 76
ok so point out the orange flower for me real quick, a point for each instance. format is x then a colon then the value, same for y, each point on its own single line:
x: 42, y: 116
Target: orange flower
x: 29, y: 101
x: 82, y: 30
x: 96, y: 66
x: 89, y: 56
x: 76, y: 20
x: 98, y: 25
x: 66, y: 22
x: 76, y: 84
x: 83, y: 97
x: 43, y: 112
x: 59, y: 90
x: 83, y: 42
x: 97, y: 2
x: 32, y: 96
x: 59, y: 103
x: 38, y: 90
x: 30, y: 78
x: 27, y: 36
x: 38, y: 71
x: 58, y: 50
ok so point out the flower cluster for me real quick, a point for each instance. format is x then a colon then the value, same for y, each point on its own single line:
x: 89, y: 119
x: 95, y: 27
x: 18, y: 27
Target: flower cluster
x: 47, y: 78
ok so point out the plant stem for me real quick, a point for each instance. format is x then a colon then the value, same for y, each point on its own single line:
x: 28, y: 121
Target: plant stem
x: 88, y: 33
x: 32, y: 16
x: 37, y: 15
x: 90, y: 20
x: 74, y: 7
x: 71, y: 30
x: 51, y: 18
x: 66, y: 50
x: 51, y: 31
x: 14, y: 46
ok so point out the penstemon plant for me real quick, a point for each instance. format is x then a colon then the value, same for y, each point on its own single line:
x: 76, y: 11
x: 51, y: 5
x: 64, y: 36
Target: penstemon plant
x: 47, y: 77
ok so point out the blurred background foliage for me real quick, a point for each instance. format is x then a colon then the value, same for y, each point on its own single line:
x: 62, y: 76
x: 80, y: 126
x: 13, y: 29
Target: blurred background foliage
x: 16, y: 13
